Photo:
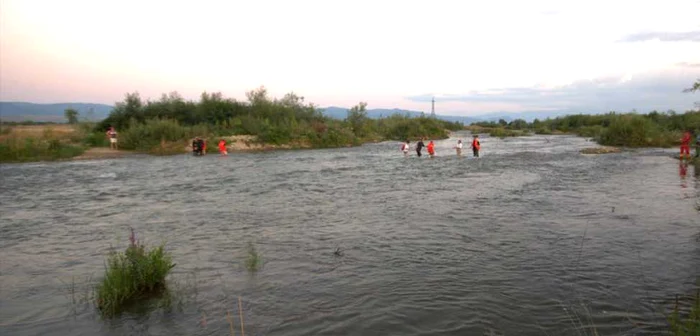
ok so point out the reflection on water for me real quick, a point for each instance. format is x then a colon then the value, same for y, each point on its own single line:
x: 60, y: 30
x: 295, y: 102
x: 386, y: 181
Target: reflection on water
x: 531, y: 238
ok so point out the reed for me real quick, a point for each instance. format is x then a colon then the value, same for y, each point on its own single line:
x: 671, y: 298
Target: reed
x: 136, y: 273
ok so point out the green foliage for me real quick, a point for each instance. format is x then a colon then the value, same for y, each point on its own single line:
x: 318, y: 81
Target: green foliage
x: 254, y: 260
x: 633, y: 130
x: 358, y: 120
x: 688, y: 325
x: 150, y: 134
x: 15, y: 149
x: 132, y: 274
x: 501, y: 132
x: 590, y: 131
x: 145, y: 126
x: 71, y: 116
x: 655, y: 129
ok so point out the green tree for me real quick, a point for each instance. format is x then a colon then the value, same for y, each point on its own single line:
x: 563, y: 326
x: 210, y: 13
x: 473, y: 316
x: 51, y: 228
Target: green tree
x: 696, y: 87
x: 502, y: 122
x: 518, y: 124
x: 357, y: 117
x: 71, y: 115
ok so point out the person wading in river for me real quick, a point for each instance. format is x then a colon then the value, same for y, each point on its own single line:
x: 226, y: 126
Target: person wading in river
x: 431, y: 149
x: 405, y: 147
x: 685, y: 145
x: 419, y: 147
x: 476, y: 145
x: 459, y: 147
x: 222, y: 147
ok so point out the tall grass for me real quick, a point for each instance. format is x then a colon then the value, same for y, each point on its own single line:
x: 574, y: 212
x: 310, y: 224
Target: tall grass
x: 18, y: 149
x: 136, y: 273
x: 686, y: 325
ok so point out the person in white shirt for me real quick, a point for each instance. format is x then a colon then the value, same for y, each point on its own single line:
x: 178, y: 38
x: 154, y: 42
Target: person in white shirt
x: 459, y: 147
x: 405, y: 147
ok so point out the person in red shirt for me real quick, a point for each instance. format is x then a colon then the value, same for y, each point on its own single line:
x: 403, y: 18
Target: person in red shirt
x: 476, y: 145
x: 685, y: 145
x: 431, y: 148
x: 222, y: 147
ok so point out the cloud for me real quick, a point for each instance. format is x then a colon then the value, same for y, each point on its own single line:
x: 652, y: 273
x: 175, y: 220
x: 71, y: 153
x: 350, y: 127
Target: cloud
x: 643, y: 92
x: 691, y: 36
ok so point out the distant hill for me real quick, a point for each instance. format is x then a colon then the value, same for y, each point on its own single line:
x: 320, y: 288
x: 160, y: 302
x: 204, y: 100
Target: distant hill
x: 341, y: 112
x: 528, y: 116
x: 21, y: 111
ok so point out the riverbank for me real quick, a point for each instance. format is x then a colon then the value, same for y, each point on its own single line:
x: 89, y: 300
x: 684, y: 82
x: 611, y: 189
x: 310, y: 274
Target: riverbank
x: 35, y: 143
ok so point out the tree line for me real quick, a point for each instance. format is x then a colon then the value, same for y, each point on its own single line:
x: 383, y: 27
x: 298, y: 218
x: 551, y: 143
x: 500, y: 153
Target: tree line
x: 289, y: 120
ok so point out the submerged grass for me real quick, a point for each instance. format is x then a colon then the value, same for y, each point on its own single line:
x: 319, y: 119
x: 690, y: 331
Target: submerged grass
x: 254, y: 260
x: 132, y: 274
x: 689, y: 324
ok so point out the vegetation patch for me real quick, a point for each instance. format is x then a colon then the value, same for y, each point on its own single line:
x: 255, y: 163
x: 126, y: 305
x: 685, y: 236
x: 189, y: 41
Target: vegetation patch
x: 254, y: 260
x: 685, y: 321
x: 600, y: 150
x: 134, y: 274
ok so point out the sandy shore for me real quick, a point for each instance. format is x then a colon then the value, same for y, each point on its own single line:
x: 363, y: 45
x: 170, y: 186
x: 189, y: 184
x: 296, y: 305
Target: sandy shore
x: 102, y: 153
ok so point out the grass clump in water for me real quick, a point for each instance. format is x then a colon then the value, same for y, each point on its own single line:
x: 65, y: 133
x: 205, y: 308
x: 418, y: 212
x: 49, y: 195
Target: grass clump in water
x: 132, y: 274
x: 688, y: 325
x: 254, y: 260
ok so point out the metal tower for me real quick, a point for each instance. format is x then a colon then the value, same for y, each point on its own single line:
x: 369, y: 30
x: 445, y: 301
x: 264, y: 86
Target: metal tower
x: 432, y: 113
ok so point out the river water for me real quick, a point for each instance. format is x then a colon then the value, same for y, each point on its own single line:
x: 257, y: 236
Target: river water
x: 532, y: 238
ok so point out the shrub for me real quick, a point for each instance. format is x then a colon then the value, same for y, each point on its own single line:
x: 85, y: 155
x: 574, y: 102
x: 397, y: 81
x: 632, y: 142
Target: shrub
x: 148, y: 135
x: 632, y: 130
x: 132, y: 274
x: 502, y: 132
x: 590, y: 131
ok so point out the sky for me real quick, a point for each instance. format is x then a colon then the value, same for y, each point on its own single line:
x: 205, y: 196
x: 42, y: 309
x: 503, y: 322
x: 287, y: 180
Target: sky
x: 474, y: 57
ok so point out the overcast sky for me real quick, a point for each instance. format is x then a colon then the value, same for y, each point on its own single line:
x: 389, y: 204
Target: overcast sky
x: 473, y: 56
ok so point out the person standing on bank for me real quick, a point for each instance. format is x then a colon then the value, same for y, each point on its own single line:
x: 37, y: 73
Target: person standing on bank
x: 112, y: 135
x: 476, y: 145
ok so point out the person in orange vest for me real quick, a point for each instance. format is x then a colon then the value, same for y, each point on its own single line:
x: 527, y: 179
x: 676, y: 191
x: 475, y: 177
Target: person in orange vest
x: 685, y: 145
x: 431, y: 148
x: 476, y: 145
x: 222, y: 147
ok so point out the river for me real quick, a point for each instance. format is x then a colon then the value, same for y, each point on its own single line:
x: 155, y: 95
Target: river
x: 532, y: 238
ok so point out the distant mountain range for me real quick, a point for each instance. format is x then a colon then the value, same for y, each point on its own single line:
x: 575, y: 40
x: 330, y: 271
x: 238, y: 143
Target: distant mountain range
x: 22, y: 111
x: 342, y: 112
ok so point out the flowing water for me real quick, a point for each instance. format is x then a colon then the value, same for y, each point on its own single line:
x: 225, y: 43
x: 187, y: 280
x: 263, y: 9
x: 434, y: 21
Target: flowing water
x: 532, y: 238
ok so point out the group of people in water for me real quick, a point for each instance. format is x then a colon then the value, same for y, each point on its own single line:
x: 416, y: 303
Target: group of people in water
x: 199, y: 147
x: 406, y: 147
